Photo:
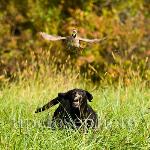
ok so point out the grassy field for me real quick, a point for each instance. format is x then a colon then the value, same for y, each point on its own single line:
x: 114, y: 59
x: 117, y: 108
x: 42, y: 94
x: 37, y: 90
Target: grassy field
x: 124, y: 117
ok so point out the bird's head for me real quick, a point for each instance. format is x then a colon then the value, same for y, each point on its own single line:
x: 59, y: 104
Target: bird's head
x: 74, y: 33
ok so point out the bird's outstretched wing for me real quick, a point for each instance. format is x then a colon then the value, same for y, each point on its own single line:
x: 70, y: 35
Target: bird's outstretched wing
x: 91, y: 40
x: 51, y: 37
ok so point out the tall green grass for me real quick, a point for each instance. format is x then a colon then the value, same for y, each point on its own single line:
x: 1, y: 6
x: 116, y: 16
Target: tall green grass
x: 124, y: 117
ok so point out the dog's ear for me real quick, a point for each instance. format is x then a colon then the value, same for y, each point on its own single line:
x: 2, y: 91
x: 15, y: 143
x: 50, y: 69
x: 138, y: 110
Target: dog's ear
x: 89, y: 96
x: 48, y: 105
x: 61, y: 95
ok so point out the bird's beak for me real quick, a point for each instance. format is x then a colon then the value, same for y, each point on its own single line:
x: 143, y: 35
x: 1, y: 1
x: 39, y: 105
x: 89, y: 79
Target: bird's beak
x: 74, y: 33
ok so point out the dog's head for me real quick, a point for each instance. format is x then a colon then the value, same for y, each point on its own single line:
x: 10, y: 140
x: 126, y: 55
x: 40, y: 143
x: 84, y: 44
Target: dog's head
x: 76, y: 97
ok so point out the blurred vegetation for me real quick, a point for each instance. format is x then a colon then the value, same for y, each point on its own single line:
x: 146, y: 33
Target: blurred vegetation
x: 125, y: 54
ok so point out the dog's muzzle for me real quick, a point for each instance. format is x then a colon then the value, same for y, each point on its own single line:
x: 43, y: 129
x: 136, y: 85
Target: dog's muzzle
x: 77, y: 99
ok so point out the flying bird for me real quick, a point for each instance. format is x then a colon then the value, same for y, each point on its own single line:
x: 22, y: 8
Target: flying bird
x: 72, y: 41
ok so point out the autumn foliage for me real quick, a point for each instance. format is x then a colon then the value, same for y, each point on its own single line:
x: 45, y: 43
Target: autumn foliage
x: 124, y: 54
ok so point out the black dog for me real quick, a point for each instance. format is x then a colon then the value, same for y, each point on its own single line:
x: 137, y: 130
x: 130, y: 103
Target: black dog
x: 73, y: 110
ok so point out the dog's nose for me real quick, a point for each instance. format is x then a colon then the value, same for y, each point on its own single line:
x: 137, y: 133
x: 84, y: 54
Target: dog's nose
x: 76, y: 104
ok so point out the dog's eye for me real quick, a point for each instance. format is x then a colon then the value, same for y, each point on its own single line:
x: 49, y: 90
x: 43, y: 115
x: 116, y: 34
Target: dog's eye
x: 74, y: 92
